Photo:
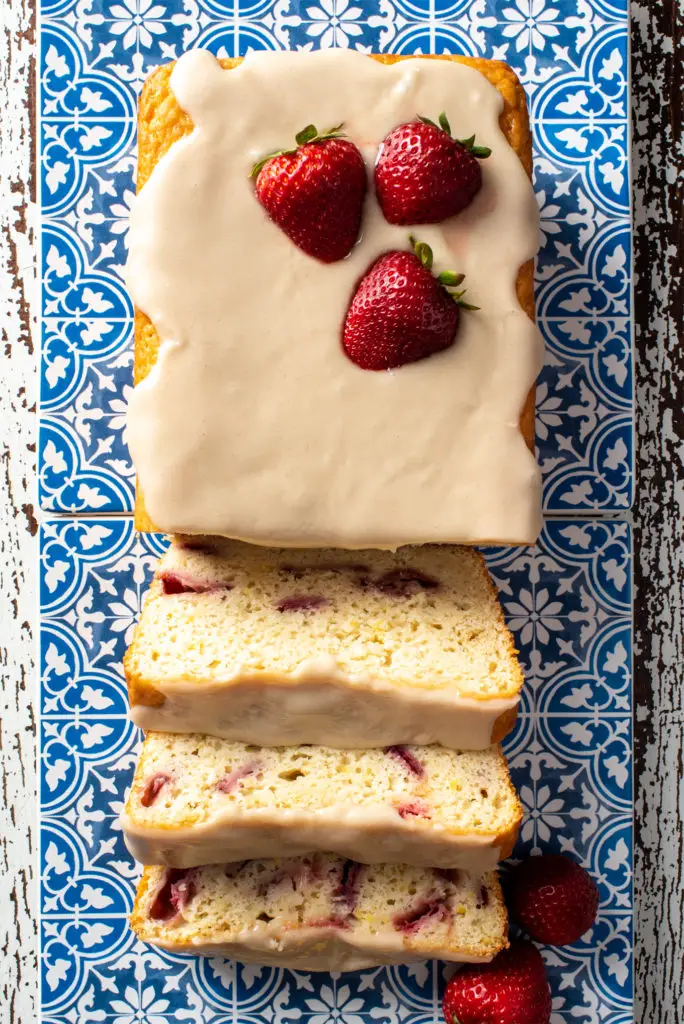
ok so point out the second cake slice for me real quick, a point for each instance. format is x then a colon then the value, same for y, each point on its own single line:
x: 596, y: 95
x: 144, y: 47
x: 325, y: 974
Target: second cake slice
x: 198, y: 800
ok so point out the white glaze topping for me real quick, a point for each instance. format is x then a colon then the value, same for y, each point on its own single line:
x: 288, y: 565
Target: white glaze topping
x: 314, y: 948
x: 320, y: 700
x: 254, y: 424
x: 369, y: 834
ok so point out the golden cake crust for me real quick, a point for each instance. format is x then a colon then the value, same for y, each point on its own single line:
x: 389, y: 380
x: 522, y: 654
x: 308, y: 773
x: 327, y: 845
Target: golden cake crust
x: 161, y: 123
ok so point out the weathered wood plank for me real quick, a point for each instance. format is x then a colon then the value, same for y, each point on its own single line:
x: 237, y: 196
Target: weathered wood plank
x: 18, y: 557
x: 658, y: 84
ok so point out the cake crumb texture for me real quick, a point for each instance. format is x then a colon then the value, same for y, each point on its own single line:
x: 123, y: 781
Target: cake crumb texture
x: 424, y: 805
x: 321, y: 912
x: 422, y: 618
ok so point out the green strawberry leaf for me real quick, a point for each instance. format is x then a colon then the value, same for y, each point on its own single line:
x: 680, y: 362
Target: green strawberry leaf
x: 444, y: 123
x: 450, y: 279
x: 422, y: 251
x: 447, y: 278
x: 260, y: 164
x: 333, y: 133
x: 481, y: 152
x: 306, y: 135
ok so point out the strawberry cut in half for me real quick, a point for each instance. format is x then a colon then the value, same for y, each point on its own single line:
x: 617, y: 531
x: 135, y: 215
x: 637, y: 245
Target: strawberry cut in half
x: 423, y: 175
x: 400, y: 312
x: 315, y: 192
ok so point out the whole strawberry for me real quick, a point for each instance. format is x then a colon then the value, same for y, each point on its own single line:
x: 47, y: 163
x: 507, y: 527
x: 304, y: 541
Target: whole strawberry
x: 552, y: 898
x: 400, y: 312
x: 423, y: 176
x: 315, y: 192
x: 512, y: 989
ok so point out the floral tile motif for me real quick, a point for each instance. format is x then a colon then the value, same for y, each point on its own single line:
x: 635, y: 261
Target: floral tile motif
x: 568, y: 603
x: 570, y: 54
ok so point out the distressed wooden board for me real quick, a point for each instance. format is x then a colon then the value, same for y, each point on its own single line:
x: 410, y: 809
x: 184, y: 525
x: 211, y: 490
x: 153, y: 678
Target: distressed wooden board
x: 658, y: 81
x: 18, y: 527
x: 658, y: 51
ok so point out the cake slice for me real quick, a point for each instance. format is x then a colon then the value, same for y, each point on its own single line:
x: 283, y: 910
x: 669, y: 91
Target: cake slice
x: 202, y: 800
x: 343, y: 649
x: 321, y: 913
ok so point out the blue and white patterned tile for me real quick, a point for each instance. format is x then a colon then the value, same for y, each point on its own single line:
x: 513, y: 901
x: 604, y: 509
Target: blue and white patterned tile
x: 86, y: 374
x: 75, y: 287
x: 97, y: 213
x: 568, y: 602
x: 572, y: 57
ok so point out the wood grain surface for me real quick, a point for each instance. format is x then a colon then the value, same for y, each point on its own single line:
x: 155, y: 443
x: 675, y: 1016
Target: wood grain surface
x: 658, y: 169
x: 658, y: 173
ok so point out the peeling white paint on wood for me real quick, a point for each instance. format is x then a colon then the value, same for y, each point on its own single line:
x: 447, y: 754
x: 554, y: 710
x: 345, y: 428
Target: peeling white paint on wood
x: 658, y: 174
x: 18, y: 556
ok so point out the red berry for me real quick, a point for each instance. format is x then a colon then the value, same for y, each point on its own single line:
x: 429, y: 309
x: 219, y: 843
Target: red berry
x: 413, y: 809
x: 405, y: 582
x: 552, y: 898
x: 186, y: 583
x: 398, y: 314
x: 153, y: 788
x: 512, y: 989
x: 302, y: 603
x: 230, y: 782
x: 423, y: 176
x: 408, y: 759
x: 315, y: 193
x: 176, y: 891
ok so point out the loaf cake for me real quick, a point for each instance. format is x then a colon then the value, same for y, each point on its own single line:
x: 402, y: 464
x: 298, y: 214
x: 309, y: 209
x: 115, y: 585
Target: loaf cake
x: 201, y: 800
x: 347, y: 650
x: 248, y: 420
x: 321, y: 913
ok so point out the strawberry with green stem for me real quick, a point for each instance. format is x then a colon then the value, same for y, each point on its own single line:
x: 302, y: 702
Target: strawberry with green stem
x: 423, y: 175
x: 315, y: 192
x: 400, y: 312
